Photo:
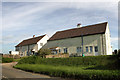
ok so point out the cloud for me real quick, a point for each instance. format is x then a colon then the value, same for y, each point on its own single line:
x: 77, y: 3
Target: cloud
x: 18, y: 17
x: 60, y: 1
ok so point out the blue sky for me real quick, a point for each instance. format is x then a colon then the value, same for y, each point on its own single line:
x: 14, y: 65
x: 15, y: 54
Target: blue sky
x: 22, y: 20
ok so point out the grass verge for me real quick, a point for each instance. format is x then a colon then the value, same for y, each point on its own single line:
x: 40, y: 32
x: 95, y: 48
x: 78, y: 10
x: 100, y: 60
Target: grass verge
x: 75, y: 72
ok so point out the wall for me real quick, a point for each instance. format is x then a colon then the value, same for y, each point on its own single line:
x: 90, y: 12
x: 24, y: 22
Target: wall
x: 24, y: 49
x: 43, y: 40
x: 73, y: 43
x: 108, y: 42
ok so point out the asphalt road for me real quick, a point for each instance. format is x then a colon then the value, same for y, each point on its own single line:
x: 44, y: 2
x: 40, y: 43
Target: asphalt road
x: 10, y: 73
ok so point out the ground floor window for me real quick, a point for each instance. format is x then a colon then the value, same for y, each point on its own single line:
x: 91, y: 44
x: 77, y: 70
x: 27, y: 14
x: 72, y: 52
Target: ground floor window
x: 86, y: 49
x: 79, y: 49
x: 96, y: 48
x: 59, y: 50
x: 91, y: 49
x: 21, y: 54
x: 65, y: 50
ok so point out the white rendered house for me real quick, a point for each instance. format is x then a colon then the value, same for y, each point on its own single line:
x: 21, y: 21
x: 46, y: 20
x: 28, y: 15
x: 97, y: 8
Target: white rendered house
x: 31, y: 46
x: 91, y: 40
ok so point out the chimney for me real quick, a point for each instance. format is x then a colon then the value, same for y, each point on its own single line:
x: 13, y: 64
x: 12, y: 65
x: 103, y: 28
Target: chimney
x: 79, y: 25
x: 33, y: 36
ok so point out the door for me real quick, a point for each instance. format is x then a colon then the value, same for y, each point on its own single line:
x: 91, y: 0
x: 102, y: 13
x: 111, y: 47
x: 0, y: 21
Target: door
x: 96, y: 50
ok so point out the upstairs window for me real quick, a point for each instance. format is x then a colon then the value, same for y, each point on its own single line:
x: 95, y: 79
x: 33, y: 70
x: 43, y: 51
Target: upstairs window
x: 41, y: 44
x: 96, y: 48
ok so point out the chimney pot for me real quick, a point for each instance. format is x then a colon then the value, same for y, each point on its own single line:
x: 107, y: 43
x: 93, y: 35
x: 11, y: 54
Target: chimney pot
x: 78, y: 25
x: 33, y: 36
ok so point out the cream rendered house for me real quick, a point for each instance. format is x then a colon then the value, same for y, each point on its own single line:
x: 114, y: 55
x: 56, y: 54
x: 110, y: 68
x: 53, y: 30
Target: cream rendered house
x: 31, y: 46
x: 91, y: 40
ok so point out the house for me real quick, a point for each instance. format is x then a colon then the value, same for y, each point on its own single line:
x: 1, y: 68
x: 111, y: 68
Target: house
x: 31, y: 46
x: 91, y: 40
x: 14, y: 52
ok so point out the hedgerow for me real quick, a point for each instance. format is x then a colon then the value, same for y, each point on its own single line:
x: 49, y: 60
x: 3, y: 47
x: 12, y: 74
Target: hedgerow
x: 7, y: 60
x: 109, y: 62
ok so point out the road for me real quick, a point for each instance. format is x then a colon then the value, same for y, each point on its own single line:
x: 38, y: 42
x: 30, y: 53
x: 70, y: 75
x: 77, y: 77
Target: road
x: 10, y: 73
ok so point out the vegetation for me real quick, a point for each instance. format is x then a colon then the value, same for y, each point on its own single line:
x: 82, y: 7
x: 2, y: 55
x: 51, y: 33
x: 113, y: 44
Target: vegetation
x: 82, y: 72
x: 7, y: 60
x: 103, y: 61
x: 43, y: 52
x: 17, y: 60
x: 87, y: 68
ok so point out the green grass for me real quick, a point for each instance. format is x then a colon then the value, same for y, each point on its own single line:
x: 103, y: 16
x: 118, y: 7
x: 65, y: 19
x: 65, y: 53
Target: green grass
x: 82, y: 72
x: 84, y: 68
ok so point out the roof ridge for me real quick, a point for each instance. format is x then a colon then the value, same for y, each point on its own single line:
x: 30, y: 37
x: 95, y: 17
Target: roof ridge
x: 34, y: 37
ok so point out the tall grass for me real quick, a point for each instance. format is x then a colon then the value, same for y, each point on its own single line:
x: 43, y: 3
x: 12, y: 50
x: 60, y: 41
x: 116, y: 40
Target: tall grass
x: 82, y: 72
x: 84, y: 68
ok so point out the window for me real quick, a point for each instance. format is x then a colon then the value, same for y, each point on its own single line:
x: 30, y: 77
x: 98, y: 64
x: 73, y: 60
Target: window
x: 91, y: 49
x: 65, y: 50
x: 41, y: 44
x: 79, y: 49
x: 21, y: 54
x: 96, y: 49
x: 86, y: 49
x: 59, y: 50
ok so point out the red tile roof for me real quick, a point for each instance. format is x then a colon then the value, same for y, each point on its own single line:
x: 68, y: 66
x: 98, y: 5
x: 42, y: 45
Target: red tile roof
x: 76, y: 32
x: 30, y: 41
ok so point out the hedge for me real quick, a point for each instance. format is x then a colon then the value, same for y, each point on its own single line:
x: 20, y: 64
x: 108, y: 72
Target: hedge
x: 110, y: 62
x: 7, y: 60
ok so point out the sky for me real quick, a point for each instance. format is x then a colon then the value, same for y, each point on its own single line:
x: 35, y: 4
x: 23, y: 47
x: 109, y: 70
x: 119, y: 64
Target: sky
x: 22, y: 20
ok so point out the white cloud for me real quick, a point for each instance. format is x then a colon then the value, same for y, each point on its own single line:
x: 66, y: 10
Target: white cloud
x: 60, y: 0
x: 20, y: 17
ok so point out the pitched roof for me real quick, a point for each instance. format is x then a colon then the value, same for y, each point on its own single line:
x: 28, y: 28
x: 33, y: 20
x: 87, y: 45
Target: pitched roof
x: 30, y: 41
x: 76, y: 32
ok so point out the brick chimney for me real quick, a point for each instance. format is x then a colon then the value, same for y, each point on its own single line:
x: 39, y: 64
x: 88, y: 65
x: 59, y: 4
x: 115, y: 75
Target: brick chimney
x: 79, y: 25
x: 33, y: 36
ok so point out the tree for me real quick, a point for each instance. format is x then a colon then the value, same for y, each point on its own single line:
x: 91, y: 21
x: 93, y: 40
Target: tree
x: 43, y: 52
x: 115, y: 52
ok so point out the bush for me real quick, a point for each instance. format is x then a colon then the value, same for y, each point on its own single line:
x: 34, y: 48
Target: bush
x: 43, y: 52
x: 7, y: 60
x: 29, y: 60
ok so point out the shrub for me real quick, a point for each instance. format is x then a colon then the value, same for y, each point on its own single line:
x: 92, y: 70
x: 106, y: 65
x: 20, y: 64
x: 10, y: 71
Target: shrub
x: 7, y: 60
x: 43, y: 52
x: 29, y: 60
x: 16, y: 57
